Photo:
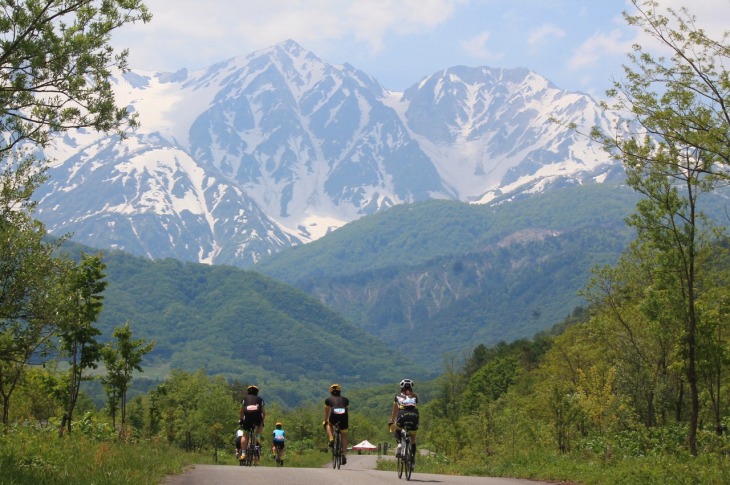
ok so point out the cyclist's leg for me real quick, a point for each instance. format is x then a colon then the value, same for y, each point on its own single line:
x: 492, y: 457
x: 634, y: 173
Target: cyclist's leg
x: 412, y: 435
x: 343, y: 420
x: 244, y: 441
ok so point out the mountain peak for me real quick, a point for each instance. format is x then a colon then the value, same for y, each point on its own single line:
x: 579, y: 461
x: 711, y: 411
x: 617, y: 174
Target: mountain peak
x: 278, y: 148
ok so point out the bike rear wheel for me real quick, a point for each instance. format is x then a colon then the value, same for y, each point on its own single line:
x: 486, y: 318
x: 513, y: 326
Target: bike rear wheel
x: 408, y: 461
x: 250, y: 448
x: 337, y: 451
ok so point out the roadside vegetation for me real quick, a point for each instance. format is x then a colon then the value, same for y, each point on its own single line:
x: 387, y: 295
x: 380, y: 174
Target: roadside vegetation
x: 632, y: 389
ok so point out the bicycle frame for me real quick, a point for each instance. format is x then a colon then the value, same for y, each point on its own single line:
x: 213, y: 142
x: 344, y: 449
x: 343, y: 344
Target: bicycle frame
x: 336, y: 447
x: 251, y: 434
x: 405, y: 460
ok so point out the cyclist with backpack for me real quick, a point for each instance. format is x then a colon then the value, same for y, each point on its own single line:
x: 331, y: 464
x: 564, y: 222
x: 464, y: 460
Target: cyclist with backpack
x: 405, y: 414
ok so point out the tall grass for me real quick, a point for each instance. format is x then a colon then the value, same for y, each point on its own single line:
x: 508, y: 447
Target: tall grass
x: 582, y: 468
x: 38, y: 456
x: 93, y: 454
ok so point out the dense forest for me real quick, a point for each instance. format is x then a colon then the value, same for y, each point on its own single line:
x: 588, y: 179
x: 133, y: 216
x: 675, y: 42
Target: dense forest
x: 630, y: 388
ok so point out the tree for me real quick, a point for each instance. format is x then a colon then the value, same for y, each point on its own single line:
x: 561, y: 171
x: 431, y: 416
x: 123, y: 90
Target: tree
x: 637, y: 336
x: 121, y: 360
x: 215, y: 413
x: 675, y: 148
x: 76, y: 329
x: 55, y: 66
x: 30, y: 276
x: 55, y: 63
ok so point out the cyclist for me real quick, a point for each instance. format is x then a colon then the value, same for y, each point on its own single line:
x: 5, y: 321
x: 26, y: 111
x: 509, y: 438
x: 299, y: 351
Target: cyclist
x: 239, y: 435
x: 405, y: 415
x: 252, y: 415
x: 335, y: 412
x: 277, y: 441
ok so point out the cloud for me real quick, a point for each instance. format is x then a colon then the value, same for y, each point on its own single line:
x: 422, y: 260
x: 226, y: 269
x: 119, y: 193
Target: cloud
x: 224, y: 28
x: 598, y: 47
x: 371, y: 21
x: 477, y: 48
x: 539, y: 35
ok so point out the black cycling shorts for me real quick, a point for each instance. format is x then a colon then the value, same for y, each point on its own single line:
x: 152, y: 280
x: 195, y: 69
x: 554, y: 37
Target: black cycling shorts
x: 252, y: 420
x: 340, y: 419
x: 407, y: 419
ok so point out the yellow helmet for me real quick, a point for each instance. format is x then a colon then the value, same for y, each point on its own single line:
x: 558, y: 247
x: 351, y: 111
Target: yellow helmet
x: 335, y: 387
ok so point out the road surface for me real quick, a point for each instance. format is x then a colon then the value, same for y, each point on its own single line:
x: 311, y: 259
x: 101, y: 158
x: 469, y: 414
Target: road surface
x: 358, y: 471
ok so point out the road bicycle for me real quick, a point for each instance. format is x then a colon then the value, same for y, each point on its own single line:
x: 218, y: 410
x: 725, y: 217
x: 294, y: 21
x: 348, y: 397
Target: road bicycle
x: 277, y: 455
x: 247, y: 458
x: 404, y: 455
x: 336, y: 447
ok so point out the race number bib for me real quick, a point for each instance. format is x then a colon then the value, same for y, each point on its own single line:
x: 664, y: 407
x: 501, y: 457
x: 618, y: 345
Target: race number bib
x: 252, y: 408
x: 339, y: 410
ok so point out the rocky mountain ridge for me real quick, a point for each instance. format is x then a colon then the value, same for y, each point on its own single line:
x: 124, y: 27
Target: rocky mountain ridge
x: 275, y: 149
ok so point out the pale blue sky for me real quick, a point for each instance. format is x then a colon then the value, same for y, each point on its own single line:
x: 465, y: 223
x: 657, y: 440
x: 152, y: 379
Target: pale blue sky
x: 579, y: 45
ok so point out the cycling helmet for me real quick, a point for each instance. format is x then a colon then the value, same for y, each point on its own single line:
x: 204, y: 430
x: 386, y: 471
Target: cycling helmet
x: 335, y: 388
x: 406, y: 384
x: 278, y: 423
x: 253, y: 390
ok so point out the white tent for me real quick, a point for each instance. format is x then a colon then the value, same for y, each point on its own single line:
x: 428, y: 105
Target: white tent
x: 365, y: 445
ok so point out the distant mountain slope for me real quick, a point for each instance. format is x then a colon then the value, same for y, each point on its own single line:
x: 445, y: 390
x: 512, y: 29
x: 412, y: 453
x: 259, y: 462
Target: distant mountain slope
x: 278, y: 148
x: 448, y: 276
x: 415, y: 233
x: 240, y: 324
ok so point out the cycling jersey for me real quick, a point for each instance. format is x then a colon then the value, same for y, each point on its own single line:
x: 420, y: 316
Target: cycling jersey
x: 406, y: 400
x: 278, y: 438
x: 407, y: 417
x: 338, y: 410
x: 253, y: 407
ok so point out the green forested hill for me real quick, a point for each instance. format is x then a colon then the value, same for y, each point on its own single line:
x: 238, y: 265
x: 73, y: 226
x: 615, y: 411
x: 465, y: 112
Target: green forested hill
x: 413, y: 234
x: 240, y: 324
x: 422, y: 280
x: 445, y: 277
x: 453, y: 303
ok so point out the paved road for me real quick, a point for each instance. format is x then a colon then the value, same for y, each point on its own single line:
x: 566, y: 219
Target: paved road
x: 358, y: 471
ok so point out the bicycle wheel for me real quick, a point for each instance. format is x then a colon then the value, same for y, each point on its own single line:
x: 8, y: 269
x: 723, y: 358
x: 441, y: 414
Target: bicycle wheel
x: 400, y: 463
x: 250, y: 448
x: 408, y: 460
x: 336, y: 451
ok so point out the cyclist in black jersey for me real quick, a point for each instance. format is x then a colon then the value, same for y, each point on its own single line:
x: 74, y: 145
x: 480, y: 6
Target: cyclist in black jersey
x: 405, y: 414
x: 252, y: 415
x: 335, y: 412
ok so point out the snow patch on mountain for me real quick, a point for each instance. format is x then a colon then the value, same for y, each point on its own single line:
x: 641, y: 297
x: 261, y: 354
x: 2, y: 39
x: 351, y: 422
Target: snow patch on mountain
x: 257, y: 153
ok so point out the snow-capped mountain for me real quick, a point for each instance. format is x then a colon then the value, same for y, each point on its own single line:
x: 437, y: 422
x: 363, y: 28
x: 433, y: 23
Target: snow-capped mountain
x: 259, y: 153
